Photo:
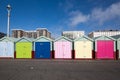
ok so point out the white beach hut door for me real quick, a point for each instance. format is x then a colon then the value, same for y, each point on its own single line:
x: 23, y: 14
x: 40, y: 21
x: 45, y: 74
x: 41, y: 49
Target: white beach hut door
x: 6, y: 49
x: 2, y: 49
x: 9, y: 49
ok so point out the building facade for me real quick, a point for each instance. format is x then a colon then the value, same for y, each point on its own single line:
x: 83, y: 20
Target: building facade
x: 73, y: 34
x: 18, y: 33
x: 41, y: 32
x: 104, y: 33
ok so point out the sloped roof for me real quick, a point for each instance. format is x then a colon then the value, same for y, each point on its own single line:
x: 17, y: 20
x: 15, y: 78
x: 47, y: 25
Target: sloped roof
x: 116, y: 37
x: 86, y: 37
x: 24, y: 39
x: 100, y: 37
x: 43, y: 38
x: 63, y: 37
x: 7, y: 39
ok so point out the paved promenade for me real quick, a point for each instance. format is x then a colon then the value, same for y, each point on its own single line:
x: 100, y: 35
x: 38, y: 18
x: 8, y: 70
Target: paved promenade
x: 37, y: 69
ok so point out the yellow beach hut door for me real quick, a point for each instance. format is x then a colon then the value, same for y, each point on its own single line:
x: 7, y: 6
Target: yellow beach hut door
x: 23, y: 50
x: 83, y: 49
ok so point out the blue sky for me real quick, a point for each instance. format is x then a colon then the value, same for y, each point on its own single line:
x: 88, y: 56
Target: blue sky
x: 61, y: 15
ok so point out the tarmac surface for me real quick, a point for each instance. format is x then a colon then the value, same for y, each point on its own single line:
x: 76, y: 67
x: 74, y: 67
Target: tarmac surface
x: 37, y: 69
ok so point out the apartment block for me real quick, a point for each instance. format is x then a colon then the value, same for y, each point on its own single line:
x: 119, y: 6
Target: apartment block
x: 73, y: 34
x: 18, y: 33
x: 104, y: 33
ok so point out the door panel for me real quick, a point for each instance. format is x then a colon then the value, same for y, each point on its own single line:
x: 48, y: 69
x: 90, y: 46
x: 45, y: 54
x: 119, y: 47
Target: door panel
x: 62, y: 49
x: 10, y: 49
x: 6, y: 49
x: 19, y: 51
x: 105, y: 49
x: 42, y: 50
x: 46, y: 50
x: 28, y: 48
x: 83, y: 49
x: 79, y: 49
x: 37, y: 50
x: 58, y: 50
x: 2, y: 49
x: 109, y: 49
x: 23, y: 50
x: 88, y: 49
x: 66, y: 49
x: 101, y: 49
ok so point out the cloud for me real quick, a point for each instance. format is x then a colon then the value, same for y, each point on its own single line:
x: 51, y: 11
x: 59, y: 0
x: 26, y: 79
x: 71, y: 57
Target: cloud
x: 110, y: 13
x: 67, y: 5
x: 97, y: 15
x: 77, y: 17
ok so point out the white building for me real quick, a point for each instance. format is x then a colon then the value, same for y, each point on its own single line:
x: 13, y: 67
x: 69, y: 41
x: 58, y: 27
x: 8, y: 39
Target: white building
x: 104, y: 33
x: 73, y: 34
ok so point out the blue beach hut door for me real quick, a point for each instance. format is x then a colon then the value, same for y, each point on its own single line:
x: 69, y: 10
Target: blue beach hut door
x: 42, y: 50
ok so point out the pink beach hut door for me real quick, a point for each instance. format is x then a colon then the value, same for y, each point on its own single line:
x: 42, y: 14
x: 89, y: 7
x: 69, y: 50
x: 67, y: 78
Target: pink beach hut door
x: 110, y: 49
x: 100, y: 49
x: 62, y: 50
x: 58, y: 50
x: 105, y: 49
x: 66, y: 49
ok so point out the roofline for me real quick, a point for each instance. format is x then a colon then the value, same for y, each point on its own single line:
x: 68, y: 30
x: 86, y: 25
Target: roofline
x: 105, y: 36
x: 84, y: 37
x: 43, y: 37
x: 18, y: 29
x: 9, y: 38
x: 64, y: 38
x: 41, y: 28
x: 24, y: 38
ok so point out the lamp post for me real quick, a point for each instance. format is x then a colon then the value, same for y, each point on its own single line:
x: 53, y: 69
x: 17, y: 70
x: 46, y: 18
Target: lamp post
x: 8, y: 23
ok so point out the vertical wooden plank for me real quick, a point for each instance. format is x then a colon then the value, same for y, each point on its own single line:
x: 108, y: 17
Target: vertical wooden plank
x: 101, y: 49
x: 67, y: 50
x: 110, y: 49
x: 58, y: 50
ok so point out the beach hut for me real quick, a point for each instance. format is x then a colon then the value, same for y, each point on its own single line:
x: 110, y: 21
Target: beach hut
x: 6, y: 47
x: 83, y: 48
x: 63, y: 48
x: 118, y: 47
x: 43, y: 48
x: 105, y: 47
x: 23, y: 48
x: 117, y: 37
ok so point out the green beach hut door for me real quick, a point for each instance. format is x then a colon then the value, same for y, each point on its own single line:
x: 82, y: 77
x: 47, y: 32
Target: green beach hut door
x: 23, y: 50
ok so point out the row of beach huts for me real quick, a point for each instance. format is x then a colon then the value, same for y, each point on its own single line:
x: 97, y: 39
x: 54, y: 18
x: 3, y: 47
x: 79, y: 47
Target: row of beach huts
x: 102, y: 47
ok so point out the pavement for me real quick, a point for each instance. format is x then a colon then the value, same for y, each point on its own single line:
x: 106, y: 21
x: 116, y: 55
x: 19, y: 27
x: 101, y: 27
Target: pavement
x: 39, y: 69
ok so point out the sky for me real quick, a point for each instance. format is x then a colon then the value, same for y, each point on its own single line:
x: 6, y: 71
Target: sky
x: 61, y: 15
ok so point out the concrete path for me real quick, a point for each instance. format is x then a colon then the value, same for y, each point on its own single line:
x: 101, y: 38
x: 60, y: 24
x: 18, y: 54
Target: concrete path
x: 36, y: 69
